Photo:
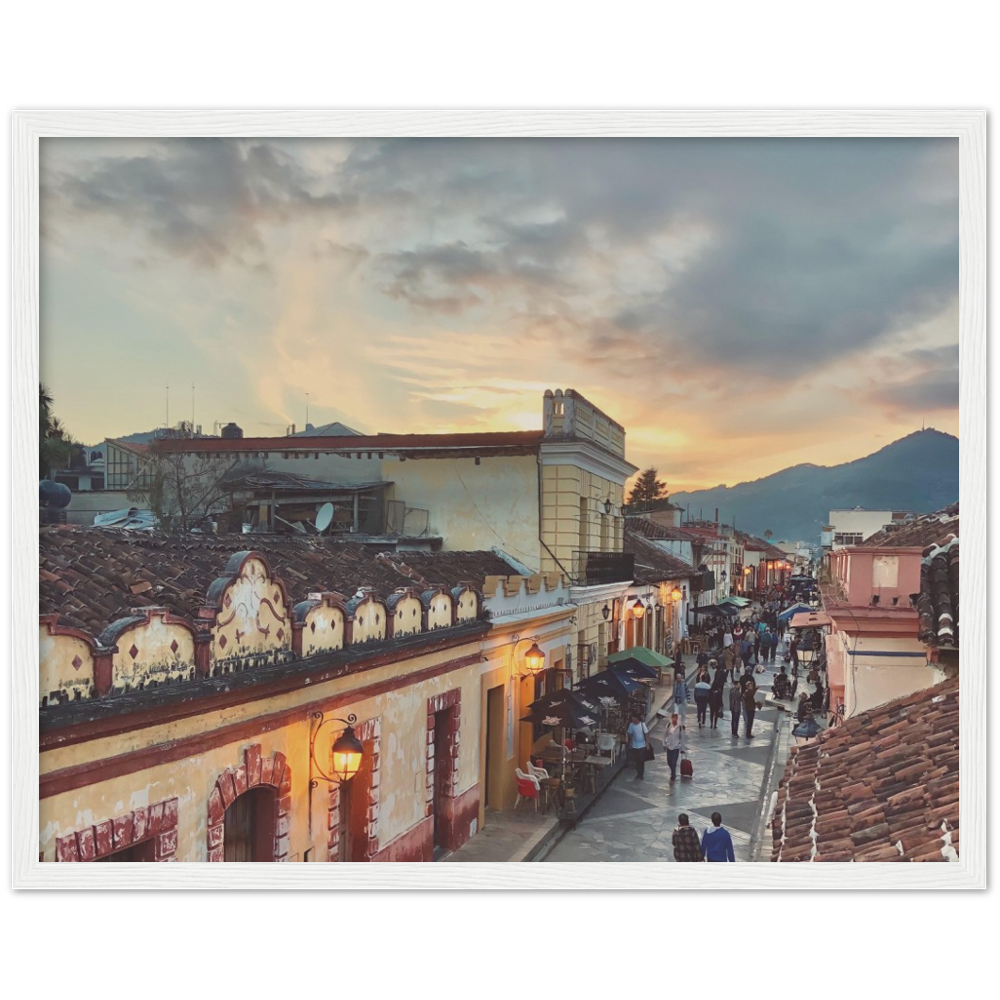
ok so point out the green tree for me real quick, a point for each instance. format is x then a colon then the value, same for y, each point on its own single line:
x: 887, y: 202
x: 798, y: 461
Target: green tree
x: 646, y: 489
x: 769, y: 534
x: 55, y: 444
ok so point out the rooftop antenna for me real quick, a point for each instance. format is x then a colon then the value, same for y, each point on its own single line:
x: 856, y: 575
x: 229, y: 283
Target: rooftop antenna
x: 323, y: 518
x: 192, y: 407
x: 167, y: 424
x: 307, y: 409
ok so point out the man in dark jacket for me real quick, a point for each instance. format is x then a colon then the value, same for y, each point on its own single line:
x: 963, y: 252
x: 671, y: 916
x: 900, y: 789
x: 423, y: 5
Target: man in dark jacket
x: 749, y: 704
x: 685, y: 839
x: 735, y: 707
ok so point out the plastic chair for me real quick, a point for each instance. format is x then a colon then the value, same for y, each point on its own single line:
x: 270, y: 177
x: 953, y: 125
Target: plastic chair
x: 538, y: 773
x: 607, y: 743
x: 527, y: 788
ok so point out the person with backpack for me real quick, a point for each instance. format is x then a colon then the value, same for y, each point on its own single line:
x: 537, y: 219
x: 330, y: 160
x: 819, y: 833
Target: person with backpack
x: 702, y: 687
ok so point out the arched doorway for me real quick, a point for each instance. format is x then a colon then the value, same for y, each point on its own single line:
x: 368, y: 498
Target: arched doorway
x: 249, y: 826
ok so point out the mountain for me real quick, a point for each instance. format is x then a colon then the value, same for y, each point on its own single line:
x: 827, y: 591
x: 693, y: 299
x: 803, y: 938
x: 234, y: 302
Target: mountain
x: 918, y: 472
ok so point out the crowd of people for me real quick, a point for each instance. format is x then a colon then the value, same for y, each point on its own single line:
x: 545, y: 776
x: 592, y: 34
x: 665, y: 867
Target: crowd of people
x: 736, y: 652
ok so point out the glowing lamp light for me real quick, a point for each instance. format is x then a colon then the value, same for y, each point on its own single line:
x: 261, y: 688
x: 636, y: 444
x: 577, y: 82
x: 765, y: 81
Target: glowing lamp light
x: 534, y: 659
x: 347, y: 754
x: 637, y: 609
x: 675, y: 594
x: 347, y: 751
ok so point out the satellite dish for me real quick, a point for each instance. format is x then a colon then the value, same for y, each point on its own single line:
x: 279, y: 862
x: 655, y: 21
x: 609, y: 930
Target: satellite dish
x: 323, y: 517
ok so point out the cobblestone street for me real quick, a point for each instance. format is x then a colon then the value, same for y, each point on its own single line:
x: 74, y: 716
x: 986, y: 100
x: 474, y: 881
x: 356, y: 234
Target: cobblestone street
x: 634, y: 820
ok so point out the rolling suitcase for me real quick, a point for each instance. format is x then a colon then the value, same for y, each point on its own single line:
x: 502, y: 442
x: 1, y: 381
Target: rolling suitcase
x: 687, y: 768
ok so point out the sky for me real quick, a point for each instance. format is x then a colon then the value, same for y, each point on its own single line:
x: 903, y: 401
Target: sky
x: 739, y: 305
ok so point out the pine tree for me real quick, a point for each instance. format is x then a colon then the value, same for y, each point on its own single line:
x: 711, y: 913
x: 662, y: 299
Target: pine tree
x: 646, y: 489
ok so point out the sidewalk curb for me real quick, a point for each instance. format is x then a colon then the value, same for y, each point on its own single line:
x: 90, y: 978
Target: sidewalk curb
x: 768, y: 790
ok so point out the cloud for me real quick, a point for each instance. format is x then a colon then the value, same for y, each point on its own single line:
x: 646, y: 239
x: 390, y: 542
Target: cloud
x: 204, y: 199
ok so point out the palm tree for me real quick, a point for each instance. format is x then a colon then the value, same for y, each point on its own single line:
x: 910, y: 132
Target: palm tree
x: 769, y: 534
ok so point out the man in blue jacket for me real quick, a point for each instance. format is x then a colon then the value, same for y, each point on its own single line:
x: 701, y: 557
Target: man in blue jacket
x: 716, y: 844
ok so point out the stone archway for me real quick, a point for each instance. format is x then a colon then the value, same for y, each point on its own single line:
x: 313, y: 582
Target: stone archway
x: 254, y: 772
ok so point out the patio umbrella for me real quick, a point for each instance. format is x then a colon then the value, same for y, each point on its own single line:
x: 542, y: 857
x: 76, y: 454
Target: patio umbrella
x: 793, y: 610
x: 561, y: 714
x: 640, y: 656
x: 717, y: 609
x: 636, y: 669
x: 609, y: 682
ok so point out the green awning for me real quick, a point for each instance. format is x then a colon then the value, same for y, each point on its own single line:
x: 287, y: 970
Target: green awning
x: 647, y: 656
x: 740, y: 602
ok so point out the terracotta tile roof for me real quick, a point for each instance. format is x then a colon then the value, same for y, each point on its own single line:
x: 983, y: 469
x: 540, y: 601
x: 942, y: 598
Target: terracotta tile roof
x: 927, y: 529
x: 92, y: 577
x: 446, y: 569
x: 638, y: 525
x: 652, y: 564
x: 937, y: 604
x: 881, y: 787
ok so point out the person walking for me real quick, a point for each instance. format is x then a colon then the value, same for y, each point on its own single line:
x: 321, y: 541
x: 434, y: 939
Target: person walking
x: 702, y: 686
x: 715, y: 704
x: 793, y: 652
x: 685, y: 839
x: 749, y: 704
x: 735, y: 706
x: 680, y: 695
x: 747, y: 647
x: 673, y: 743
x: 756, y: 646
x: 716, y: 842
x: 636, y: 742
x: 729, y: 659
x: 719, y: 675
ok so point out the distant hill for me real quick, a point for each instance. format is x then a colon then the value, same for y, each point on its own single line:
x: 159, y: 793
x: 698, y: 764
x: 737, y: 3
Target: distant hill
x: 918, y: 472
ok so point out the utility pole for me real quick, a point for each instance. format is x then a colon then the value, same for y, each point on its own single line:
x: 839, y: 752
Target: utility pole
x: 167, y: 424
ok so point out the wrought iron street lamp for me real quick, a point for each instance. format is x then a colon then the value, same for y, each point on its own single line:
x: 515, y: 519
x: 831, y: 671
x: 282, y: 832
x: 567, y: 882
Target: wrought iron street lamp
x: 347, y: 751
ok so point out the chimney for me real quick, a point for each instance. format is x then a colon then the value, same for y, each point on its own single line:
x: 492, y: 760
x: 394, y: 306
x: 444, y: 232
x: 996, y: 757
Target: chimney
x: 716, y: 515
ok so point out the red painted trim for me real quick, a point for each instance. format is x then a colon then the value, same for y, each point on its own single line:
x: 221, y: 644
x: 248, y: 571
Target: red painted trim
x: 417, y: 844
x: 51, y: 623
x: 80, y: 775
x: 130, y: 721
x: 128, y: 830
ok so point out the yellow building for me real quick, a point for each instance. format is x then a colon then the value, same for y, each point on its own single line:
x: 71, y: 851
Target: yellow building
x: 189, y: 698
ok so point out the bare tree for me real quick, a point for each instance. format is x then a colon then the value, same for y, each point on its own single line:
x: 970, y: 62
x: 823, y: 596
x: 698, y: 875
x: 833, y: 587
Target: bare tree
x: 183, y: 489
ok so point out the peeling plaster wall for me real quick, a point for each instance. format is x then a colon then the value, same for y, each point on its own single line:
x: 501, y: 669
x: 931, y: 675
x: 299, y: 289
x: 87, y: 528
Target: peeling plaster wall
x: 439, y: 613
x: 66, y: 666
x: 408, y: 617
x: 468, y: 607
x: 474, y: 506
x: 253, y: 617
x: 162, y: 653
x: 369, y: 622
x: 323, y: 630
x: 402, y: 773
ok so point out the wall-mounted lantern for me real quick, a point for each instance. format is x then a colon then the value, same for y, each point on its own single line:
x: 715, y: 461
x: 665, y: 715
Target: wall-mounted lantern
x: 347, y: 751
x: 606, y: 611
x: 675, y: 594
x: 638, y: 609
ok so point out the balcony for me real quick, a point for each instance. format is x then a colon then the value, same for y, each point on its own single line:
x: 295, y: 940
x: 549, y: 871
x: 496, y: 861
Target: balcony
x: 590, y: 569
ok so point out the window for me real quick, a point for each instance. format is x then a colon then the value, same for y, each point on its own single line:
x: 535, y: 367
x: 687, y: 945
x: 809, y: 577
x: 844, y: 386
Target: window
x: 848, y: 538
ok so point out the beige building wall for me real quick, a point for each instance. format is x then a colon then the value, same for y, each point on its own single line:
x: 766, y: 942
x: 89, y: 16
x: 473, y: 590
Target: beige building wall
x: 573, y: 515
x: 473, y: 507
x: 874, y: 680
x: 402, y: 714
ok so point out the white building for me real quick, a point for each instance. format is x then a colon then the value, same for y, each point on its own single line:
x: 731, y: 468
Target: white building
x: 851, y: 526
